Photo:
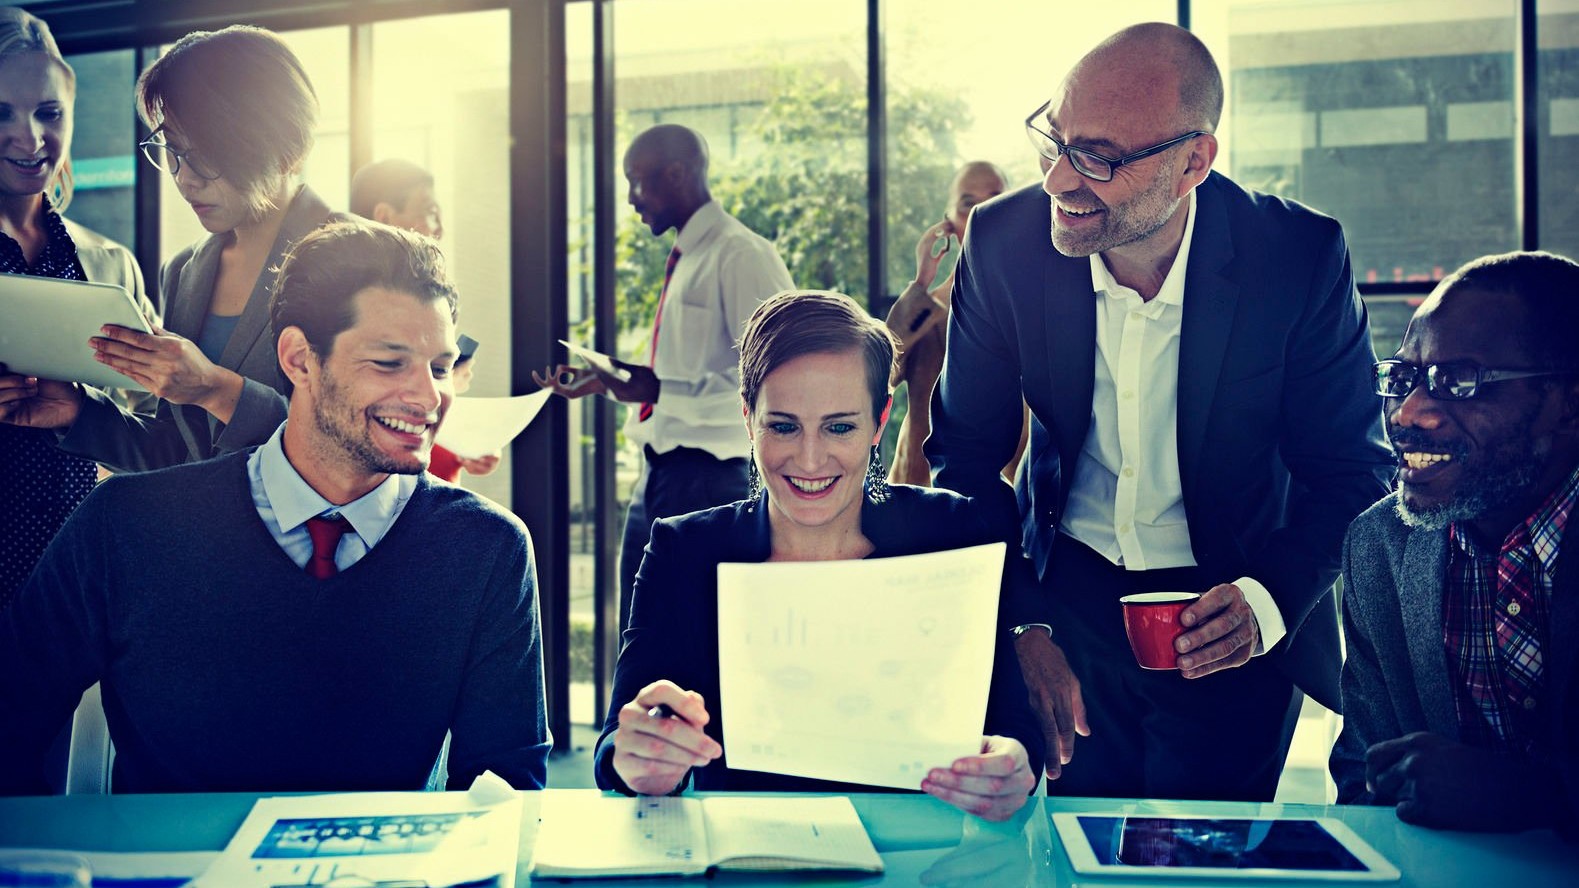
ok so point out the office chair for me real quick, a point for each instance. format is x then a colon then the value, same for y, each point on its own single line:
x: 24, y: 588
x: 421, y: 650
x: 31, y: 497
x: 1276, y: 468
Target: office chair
x: 91, y: 754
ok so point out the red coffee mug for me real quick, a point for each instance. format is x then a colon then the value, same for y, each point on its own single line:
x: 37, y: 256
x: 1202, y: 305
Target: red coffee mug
x: 1151, y: 620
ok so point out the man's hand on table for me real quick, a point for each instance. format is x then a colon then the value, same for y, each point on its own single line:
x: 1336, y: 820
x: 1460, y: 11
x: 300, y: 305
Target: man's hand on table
x: 1437, y: 782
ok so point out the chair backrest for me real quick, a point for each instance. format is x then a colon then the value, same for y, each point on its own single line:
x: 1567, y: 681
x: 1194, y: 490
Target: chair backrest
x: 439, y: 777
x: 91, y: 755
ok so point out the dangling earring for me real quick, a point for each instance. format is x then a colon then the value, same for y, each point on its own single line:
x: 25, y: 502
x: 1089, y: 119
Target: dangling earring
x: 753, y: 482
x: 877, y: 489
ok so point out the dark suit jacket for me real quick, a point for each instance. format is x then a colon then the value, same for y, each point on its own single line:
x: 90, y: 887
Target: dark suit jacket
x: 673, y: 630
x: 175, y: 434
x: 1280, y: 437
x: 1396, y: 679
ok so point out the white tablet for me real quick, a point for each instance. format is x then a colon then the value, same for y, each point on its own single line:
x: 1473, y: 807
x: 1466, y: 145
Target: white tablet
x: 1219, y: 848
x: 45, y: 325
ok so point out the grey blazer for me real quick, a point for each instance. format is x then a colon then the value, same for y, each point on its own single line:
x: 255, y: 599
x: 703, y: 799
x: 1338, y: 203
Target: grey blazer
x: 107, y: 262
x: 1395, y: 677
x: 129, y: 441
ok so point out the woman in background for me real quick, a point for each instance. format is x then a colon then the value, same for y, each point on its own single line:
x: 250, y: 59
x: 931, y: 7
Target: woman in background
x: 920, y: 319
x: 39, y: 484
x: 814, y: 371
x: 232, y: 114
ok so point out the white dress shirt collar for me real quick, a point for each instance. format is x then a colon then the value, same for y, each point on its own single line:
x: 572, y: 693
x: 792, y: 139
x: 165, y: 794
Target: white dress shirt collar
x: 1172, y: 291
x: 293, y: 500
x: 707, y: 217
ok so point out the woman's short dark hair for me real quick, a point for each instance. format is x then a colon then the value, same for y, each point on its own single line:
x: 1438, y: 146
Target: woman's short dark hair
x: 240, y: 98
x: 321, y: 275
x: 795, y: 323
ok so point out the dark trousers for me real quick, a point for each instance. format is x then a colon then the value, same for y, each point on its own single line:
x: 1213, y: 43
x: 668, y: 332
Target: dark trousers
x: 676, y: 482
x: 1157, y: 734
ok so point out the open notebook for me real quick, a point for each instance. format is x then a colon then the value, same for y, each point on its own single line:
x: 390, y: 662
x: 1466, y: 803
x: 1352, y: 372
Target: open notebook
x: 587, y: 835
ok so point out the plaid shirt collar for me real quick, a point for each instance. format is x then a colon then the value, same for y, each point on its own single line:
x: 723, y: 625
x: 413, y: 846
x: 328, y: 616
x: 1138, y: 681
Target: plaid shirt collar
x: 1544, y: 526
x: 1494, y: 628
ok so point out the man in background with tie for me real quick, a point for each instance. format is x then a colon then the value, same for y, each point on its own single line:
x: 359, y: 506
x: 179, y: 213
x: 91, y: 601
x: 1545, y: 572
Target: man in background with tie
x: 311, y: 614
x: 686, y: 401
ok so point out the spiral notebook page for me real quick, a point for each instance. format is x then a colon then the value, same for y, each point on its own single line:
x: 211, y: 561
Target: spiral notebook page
x: 788, y: 833
x: 641, y: 835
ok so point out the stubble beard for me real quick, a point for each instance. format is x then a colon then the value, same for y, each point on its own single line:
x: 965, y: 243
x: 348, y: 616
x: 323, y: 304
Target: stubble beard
x: 1139, y: 218
x: 346, y: 431
x: 1510, y: 471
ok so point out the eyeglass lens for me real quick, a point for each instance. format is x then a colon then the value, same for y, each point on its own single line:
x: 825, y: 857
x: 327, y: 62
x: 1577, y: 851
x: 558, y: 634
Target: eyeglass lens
x: 1088, y: 165
x: 170, y: 160
x: 1396, y: 379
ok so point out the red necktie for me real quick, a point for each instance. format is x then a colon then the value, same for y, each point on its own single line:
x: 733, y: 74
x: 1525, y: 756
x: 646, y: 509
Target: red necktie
x: 325, y: 533
x: 663, y: 297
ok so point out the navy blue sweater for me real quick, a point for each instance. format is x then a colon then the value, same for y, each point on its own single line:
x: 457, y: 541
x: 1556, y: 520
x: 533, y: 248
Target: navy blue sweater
x: 225, y: 667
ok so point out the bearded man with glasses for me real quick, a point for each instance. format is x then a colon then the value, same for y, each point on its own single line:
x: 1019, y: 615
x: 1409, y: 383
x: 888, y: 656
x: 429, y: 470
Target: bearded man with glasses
x: 1461, y: 688
x: 1196, y: 361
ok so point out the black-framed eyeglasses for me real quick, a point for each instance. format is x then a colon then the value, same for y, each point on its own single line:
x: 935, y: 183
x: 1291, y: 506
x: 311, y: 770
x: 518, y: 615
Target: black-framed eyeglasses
x: 1396, y: 378
x: 1088, y: 163
x: 169, y: 159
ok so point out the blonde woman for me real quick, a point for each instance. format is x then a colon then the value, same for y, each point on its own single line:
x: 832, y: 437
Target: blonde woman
x: 39, y: 484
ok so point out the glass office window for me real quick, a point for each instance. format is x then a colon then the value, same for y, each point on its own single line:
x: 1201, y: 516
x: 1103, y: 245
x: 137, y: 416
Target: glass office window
x: 440, y: 90
x: 583, y: 274
x: 325, y: 53
x: 961, y: 79
x: 104, y: 144
x: 778, y: 90
x: 1558, y: 160
x: 1394, y: 116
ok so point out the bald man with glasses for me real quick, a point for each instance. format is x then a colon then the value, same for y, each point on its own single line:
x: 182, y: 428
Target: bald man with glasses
x: 1196, y: 360
x: 1460, y: 603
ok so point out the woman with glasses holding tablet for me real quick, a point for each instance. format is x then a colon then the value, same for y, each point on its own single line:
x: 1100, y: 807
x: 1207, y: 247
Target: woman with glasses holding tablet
x: 232, y: 114
x: 39, y: 484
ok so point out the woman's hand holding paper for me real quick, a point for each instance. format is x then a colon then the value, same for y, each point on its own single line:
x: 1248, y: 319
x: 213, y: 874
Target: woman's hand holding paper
x: 992, y: 785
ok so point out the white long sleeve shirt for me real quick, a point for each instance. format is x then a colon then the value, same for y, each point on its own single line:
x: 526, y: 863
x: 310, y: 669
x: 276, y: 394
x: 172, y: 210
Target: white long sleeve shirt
x: 724, y: 272
x: 1126, y: 500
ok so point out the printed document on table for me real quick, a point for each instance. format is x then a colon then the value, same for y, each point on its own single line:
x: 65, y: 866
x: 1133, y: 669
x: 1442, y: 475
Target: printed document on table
x: 476, y: 427
x: 871, y: 671
x: 430, y: 838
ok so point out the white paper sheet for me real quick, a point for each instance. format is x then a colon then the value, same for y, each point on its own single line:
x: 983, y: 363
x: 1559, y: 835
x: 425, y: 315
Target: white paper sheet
x: 869, y: 671
x: 597, y: 360
x: 436, y: 838
x: 476, y: 427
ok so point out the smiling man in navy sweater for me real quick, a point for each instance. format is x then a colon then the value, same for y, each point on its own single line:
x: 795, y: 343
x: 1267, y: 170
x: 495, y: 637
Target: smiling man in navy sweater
x: 312, y: 614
